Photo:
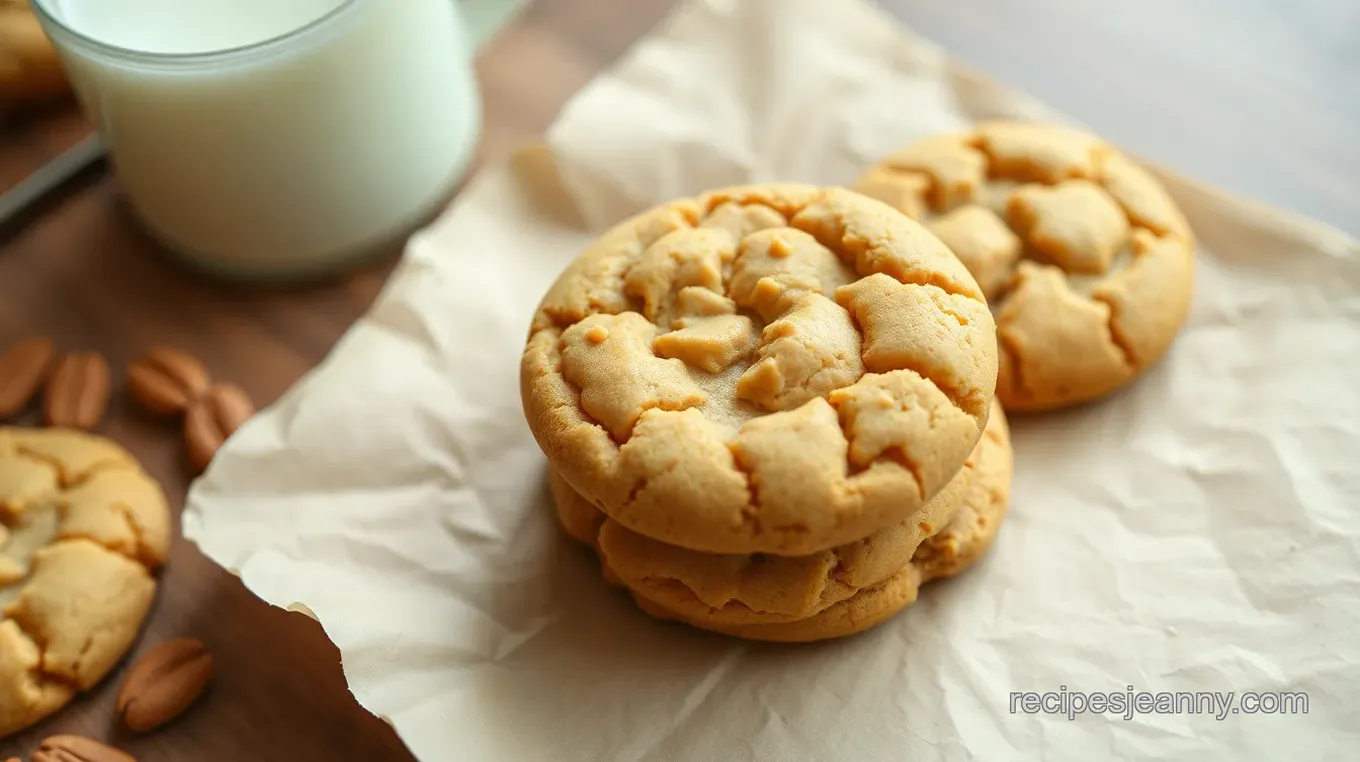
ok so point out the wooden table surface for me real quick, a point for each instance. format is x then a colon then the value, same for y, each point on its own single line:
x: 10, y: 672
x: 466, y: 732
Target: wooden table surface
x: 1267, y: 105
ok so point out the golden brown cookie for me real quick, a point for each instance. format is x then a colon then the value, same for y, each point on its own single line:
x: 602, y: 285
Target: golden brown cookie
x: 826, y: 595
x: 762, y: 589
x: 29, y: 67
x: 84, y: 531
x: 778, y: 370
x: 1087, y: 262
x: 961, y: 543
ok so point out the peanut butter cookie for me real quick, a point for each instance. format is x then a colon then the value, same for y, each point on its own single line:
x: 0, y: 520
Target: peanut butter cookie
x: 761, y: 589
x: 1085, y: 259
x: 776, y: 370
x: 961, y: 543
x: 84, y: 530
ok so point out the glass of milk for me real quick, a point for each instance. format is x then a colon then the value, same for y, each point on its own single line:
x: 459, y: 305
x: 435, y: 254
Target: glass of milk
x: 275, y: 138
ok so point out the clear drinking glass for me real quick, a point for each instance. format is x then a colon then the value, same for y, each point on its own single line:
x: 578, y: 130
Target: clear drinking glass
x: 292, y: 155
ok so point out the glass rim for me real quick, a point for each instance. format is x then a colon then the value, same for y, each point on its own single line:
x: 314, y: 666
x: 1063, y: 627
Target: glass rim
x: 50, y: 19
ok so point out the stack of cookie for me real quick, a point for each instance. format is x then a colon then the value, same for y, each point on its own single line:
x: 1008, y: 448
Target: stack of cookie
x: 770, y: 410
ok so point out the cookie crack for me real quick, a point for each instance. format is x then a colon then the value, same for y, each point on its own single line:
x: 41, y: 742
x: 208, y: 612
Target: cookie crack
x: 57, y: 465
x: 78, y: 664
x: 40, y: 672
x: 1006, y: 345
x: 715, y: 201
x: 100, y: 467
x: 138, y: 536
x: 967, y: 401
x: 645, y: 480
x: 851, y: 248
x: 33, y: 500
x: 1117, y: 337
x: 838, y: 571
x: 140, y: 550
x: 896, y: 454
x: 575, y: 392
x: 733, y: 605
x: 951, y: 312
x: 750, y: 511
x: 679, y: 587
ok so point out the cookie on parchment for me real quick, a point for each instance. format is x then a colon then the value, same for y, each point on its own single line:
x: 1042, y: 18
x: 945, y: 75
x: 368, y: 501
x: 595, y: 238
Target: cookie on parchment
x: 825, y: 595
x: 765, y: 369
x: 963, y: 541
x: 1087, y: 262
x: 82, y: 531
x: 763, y: 589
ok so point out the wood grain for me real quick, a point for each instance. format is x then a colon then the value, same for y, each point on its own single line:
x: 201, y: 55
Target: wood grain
x: 1258, y: 97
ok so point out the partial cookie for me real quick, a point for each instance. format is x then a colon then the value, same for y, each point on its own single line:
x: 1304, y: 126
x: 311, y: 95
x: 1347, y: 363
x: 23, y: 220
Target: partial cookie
x: 764, y: 589
x: 1085, y: 259
x: 579, y: 519
x: 84, y: 530
x: 778, y: 370
x: 26, y: 693
x: 29, y: 67
x: 964, y: 541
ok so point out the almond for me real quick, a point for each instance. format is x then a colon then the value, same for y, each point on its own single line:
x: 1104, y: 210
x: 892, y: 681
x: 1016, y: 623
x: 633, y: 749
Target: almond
x: 22, y: 369
x: 77, y: 392
x: 166, y: 381
x: 78, y: 749
x: 212, y: 420
x: 163, y: 683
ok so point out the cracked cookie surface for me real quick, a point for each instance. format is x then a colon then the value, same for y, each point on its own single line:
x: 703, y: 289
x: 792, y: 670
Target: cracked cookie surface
x: 762, y: 589
x: 1086, y: 261
x: 967, y: 536
x: 84, y: 531
x: 764, y: 369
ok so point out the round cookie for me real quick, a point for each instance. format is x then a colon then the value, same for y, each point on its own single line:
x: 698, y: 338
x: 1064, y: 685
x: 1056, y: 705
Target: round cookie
x: 778, y: 370
x: 83, y: 531
x: 964, y: 540
x: 1086, y: 260
x: 762, y: 589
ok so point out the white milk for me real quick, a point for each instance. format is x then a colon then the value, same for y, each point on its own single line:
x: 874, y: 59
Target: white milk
x: 275, y: 136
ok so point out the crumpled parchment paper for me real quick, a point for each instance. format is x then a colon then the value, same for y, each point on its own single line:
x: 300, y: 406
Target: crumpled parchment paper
x: 1198, y: 532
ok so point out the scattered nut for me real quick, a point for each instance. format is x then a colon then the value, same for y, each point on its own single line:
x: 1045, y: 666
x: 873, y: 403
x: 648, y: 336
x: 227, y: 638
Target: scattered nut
x: 212, y: 420
x: 78, y: 749
x: 166, y: 381
x: 22, y: 369
x: 77, y: 392
x: 163, y: 683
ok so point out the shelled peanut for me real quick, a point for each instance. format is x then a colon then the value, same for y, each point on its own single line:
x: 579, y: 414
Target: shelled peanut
x: 75, y: 389
x: 171, y: 383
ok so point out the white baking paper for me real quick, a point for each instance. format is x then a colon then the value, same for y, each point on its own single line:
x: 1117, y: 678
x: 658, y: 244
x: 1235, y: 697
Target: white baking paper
x: 1198, y: 532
